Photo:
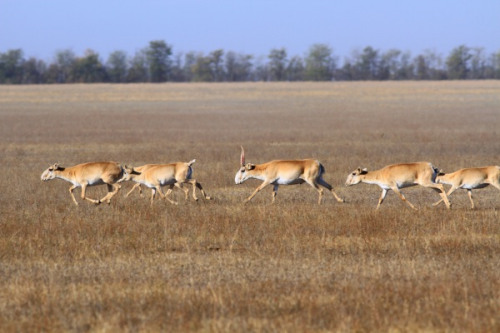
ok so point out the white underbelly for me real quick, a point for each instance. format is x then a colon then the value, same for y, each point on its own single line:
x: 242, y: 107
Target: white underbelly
x: 473, y: 186
x: 282, y: 181
x: 93, y: 182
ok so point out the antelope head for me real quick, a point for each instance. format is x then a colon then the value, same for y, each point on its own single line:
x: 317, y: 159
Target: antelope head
x: 354, y: 177
x: 439, y: 177
x: 128, y: 173
x: 243, y: 172
x: 50, y: 172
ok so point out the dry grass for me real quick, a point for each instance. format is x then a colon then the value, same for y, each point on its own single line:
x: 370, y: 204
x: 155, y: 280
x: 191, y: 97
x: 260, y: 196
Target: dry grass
x: 224, y: 266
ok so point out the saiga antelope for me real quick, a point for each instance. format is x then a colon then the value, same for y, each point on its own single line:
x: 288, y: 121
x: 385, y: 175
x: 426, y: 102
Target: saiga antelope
x: 469, y: 179
x: 89, y: 174
x: 171, y: 174
x: 396, y: 176
x: 142, y: 168
x: 284, y: 172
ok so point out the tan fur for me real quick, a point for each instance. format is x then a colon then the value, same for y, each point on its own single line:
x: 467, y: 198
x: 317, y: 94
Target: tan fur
x: 155, y: 176
x: 88, y: 174
x: 396, y: 176
x: 284, y: 172
x: 469, y: 179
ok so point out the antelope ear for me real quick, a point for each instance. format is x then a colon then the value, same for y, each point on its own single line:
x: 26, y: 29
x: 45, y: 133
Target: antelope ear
x: 358, y: 170
x: 365, y: 170
x: 250, y: 166
x: 56, y: 166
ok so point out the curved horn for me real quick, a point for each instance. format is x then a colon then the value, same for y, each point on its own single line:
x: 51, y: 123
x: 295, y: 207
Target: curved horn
x: 242, y: 158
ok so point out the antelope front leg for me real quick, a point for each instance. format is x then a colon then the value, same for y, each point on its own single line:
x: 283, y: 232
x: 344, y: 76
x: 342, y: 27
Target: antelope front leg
x: 396, y: 189
x: 469, y: 192
x: 452, y: 189
x: 185, y: 190
x: 72, y: 195
x: 170, y: 190
x: 137, y: 185
x: 275, y: 192
x: 382, y: 197
x: 84, y: 197
x: 153, y: 193
x: 166, y: 197
x: 264, y: 184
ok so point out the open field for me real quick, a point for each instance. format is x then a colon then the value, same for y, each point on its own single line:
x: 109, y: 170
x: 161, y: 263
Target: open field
x: 224, y: 266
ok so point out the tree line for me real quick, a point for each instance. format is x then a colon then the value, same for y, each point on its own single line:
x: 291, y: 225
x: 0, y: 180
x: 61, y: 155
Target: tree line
x: 157, y: 63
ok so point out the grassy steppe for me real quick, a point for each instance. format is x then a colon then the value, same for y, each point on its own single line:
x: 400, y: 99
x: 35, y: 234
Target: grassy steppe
x: 225, y: 266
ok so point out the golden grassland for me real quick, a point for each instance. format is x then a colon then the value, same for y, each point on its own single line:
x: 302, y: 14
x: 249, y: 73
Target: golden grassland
x: 224, y: 266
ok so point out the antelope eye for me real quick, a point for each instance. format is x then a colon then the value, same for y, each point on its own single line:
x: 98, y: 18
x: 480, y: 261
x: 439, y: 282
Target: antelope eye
x: 354, y: 173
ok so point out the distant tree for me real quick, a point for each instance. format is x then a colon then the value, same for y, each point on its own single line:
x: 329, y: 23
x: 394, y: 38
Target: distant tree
x: 261, y: 70
x: 295, y: 69
x: 11, y: 66
x: 62, y: 70
x: 367, y: 65
x: 477, y: 64
x: 406, y: 67
x: 34, y: 71
x: 89, y: 69
x: 217, y: 65
x: 189, y: 63
x: 422, y: 68
x: 201, y: 69
x: 238, y: 66
x: 389, y: 65
x: 495, y: 65
x: 277, y: 64
x: 346, y: 72
x: 434, y: 65
x: 457, y: 63
x: 158, y: 55
x: 320, y: 63
x: 138, y: 70
x: 177, y: 70
x: 208, y: 68
x: 117, y: 66
x: 231, y: 66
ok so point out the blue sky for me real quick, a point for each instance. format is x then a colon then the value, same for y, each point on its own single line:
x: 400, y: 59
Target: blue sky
x: 41, y: 28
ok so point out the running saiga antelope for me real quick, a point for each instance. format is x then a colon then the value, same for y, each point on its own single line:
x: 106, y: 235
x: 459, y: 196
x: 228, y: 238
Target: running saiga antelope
x: 284, y: 172
x: 141, y: 169
x: 173, y: 174
x: 89, y: 174
x: 396, y: 176
x: 469, y: 179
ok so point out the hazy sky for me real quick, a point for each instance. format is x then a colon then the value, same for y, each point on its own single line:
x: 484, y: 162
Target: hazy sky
x: 43, y: 27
